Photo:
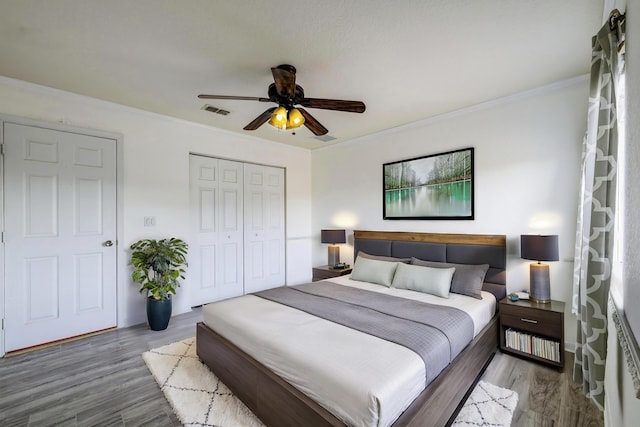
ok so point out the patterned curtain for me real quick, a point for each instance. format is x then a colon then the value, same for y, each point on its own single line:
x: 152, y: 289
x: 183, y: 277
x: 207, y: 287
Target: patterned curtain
x: 596, y: 211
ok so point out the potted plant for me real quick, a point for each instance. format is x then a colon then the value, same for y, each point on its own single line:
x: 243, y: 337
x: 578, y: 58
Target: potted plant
x: 158, y: 268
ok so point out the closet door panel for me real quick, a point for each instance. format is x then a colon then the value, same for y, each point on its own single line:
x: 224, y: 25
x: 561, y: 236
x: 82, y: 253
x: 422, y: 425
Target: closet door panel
x: 216, y: 244
x: 207, y: 270
x: 264, y: 227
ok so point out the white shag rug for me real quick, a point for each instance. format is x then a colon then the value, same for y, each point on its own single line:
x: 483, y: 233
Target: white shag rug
x: 200, y: 399
x: 487, y: 406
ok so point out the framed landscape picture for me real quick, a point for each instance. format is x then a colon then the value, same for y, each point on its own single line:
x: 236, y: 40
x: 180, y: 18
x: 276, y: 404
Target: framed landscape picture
x: 438, y: 186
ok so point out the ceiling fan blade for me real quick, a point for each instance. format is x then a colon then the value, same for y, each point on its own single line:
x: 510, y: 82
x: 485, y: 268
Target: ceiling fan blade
x: 260, y: 120
x: 334, y: 104
x: 285, y: 78
x: 238, y: 98
x: 312, y: 124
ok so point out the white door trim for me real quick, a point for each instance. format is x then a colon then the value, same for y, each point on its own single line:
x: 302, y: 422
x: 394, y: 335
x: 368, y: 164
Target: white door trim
x: 121, y: 255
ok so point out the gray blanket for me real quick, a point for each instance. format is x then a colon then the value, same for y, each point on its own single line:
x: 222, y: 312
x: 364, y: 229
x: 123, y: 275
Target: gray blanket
x: 436, y: 333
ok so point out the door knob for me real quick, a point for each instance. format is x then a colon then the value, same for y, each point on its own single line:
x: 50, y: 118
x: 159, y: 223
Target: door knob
x: 108, y: 243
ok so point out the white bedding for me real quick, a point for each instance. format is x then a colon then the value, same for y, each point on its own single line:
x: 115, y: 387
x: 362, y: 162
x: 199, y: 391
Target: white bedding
x: 361, y: 379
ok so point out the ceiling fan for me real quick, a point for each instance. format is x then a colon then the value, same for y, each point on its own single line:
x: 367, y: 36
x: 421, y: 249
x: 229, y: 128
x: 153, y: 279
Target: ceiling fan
x: 287, y: 94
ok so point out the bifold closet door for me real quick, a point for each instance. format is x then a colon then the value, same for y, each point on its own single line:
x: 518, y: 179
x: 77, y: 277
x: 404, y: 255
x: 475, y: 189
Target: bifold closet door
x: 264, y: 227
x: 216, y: 244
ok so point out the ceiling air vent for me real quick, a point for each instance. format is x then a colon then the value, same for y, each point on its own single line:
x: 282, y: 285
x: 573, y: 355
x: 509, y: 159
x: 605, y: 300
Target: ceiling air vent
x: 325, y: 138
x: 216, y: 110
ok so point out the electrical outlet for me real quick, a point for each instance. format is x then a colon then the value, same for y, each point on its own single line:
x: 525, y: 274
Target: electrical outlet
x: 149, y: 221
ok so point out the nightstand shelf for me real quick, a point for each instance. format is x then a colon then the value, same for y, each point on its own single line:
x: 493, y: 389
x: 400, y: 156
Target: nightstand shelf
x: 326, y: 272
x: 533, y: 330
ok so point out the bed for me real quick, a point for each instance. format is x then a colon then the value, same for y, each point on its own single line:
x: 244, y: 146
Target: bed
x: 265, y: 386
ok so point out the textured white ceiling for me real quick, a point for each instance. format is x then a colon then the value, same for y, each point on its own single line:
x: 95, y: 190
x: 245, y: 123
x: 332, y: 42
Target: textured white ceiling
x: 406, y: 60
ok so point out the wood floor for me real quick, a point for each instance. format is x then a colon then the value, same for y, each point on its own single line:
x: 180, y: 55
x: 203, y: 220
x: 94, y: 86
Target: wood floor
x: 547, y: 397
x: 103, y: 381
x: 95, y: 381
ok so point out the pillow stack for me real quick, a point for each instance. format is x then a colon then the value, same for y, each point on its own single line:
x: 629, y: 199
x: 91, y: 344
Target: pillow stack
x: 467, y: 279
x: 435, y: 278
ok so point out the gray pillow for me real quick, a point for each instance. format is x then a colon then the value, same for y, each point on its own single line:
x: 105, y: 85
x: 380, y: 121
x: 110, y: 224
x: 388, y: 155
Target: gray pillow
x: 429, y: 280
x: 373, y: 271
x: 467, y: 279
x: 383, y: 258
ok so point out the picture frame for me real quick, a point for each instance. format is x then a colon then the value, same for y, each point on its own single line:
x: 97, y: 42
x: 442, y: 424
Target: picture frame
x: 433, y: 187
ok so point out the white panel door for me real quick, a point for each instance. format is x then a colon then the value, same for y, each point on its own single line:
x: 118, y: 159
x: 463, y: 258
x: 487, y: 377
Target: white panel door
x: 264, y: 223
x: 60, y: 234
x: 215, y: 260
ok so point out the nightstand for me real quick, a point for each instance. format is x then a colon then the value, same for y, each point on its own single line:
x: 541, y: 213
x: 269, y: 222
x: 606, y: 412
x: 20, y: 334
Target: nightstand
x: 533, y: 330
x: 326, y: 272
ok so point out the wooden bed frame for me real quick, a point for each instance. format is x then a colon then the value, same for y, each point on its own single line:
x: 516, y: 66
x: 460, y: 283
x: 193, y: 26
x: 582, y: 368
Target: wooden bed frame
x: 277, y: 403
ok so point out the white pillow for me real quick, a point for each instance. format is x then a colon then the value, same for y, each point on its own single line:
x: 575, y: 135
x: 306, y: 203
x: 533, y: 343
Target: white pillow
x: 374, y: 271
x: 429, y: 280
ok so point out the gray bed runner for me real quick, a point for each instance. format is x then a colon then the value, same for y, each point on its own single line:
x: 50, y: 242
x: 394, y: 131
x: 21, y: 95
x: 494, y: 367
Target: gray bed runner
x: 436, y: 333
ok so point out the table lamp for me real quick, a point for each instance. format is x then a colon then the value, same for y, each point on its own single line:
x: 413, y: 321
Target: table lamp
x: 332, y: 237
x: 539, y: 248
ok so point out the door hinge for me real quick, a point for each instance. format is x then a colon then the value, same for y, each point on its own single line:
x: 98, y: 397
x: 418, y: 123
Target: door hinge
x: 2, y: 149
x: 2, y: 325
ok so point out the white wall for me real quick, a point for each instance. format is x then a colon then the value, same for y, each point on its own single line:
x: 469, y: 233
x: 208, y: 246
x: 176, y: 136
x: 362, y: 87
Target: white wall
x: 155, y: 171
x: 527, y: 159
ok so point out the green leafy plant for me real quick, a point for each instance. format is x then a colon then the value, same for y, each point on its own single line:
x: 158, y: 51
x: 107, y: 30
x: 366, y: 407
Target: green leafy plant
x: 158, y: 265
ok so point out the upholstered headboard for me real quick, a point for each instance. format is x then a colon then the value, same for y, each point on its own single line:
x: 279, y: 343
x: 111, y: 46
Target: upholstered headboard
x: 454, y: 248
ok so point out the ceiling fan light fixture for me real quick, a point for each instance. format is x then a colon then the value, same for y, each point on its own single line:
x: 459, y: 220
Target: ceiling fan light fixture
x: 279, y: 118
x: 284, y: 119
x: 296, y: 119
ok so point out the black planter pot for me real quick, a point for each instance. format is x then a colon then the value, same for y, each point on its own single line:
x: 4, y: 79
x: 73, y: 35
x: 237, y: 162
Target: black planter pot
x: 158, y: 313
